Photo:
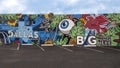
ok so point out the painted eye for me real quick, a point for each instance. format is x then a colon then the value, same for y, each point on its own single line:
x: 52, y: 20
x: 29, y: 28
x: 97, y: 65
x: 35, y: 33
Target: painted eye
x: 66, y: 25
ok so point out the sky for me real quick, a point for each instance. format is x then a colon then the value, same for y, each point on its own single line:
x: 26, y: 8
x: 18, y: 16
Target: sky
x: 59, y: 6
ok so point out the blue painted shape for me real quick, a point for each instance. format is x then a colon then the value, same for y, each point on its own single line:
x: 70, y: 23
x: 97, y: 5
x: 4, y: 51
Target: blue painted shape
x: 7, y: 27
x: 76, y: 16
x: 44, y: 35
x: 24, y: 30
x: 38, y: 20
x: 87, y: 31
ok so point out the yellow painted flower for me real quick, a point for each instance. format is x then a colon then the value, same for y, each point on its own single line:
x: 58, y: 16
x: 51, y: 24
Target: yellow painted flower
x: 49, y: 42
x: 73, y: 41
x: 46, y: 15
x: 19, y: 15
x: 83, y: 21
x: 12, y: 22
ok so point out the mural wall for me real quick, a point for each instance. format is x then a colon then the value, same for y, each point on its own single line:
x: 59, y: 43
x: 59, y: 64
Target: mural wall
x: 53, y: 29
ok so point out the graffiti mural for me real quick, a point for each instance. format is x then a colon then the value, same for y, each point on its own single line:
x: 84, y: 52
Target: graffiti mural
x: 53, y: 29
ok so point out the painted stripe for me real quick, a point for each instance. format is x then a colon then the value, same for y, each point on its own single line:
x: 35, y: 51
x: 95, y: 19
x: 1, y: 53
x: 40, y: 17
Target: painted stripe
x: 65, y: 48
x: 94, y: 50
x: 41, y: 48
x: 67, y: 45
x: 46, y: 44
x: 89, y: 45
x: 18, y: 47
x: 27, y: 44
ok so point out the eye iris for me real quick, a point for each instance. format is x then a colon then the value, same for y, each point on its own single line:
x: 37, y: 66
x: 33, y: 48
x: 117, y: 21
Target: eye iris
x: 64, y: 24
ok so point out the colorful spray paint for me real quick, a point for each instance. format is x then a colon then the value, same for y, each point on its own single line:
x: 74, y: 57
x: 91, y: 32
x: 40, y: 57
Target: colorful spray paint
x: 53, y: 29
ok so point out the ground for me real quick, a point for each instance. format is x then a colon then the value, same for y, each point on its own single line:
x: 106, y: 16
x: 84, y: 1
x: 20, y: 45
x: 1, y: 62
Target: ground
x: 59, y: 57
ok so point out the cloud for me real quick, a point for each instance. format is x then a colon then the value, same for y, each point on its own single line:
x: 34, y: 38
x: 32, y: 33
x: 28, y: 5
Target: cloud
x: 12, y: 6
x: 93, y: 6
x: 59, y: 6
x: 69, y: 2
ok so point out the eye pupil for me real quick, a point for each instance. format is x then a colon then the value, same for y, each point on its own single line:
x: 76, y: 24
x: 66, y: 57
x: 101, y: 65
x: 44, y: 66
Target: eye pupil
x: 64, y: 24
